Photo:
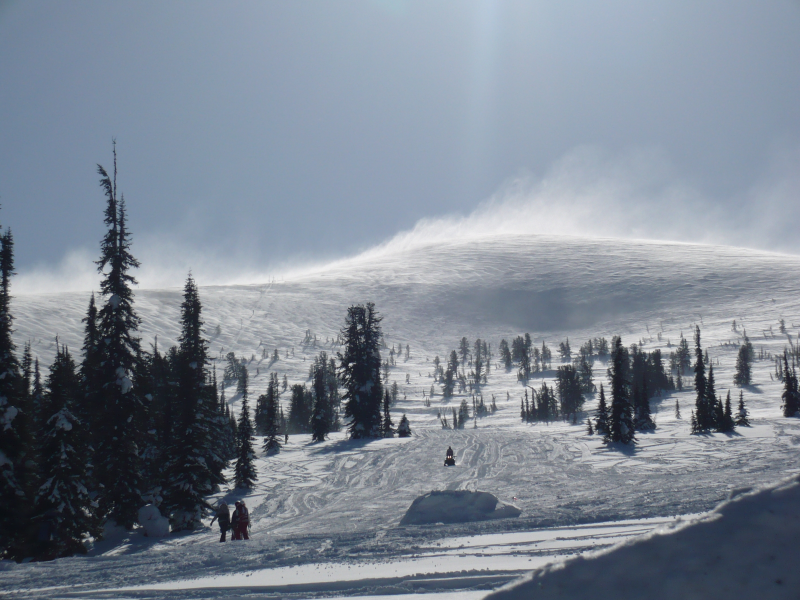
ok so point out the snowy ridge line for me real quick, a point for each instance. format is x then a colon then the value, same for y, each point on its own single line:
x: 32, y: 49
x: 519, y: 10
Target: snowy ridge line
x: 745, y: 548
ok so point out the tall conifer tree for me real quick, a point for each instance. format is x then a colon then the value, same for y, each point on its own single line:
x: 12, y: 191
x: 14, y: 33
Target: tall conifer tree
x: 703, y: 413
x: 191, y: 475
x: 601, y: 421
x: 360, y: 371
x: 321, y: 418
x: 244, y: 471
x: 118, y: 466
x: 272, y: 424
x: 63, y: 503
x: 16, y: 476
x: 791, y: 394
x: 620, y: 422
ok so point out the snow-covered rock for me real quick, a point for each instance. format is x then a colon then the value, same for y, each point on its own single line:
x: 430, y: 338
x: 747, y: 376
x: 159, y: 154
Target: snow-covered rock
x: 154, y: 524
x: 745, y: 548
x: 457, y: 506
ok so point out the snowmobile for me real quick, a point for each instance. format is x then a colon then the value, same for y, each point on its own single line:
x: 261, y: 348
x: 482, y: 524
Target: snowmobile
x: 449, y: 459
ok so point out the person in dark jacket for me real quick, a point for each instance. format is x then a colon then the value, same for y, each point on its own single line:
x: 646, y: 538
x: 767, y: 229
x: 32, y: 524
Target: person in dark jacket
x: 242, y: 517
x: 224, y: 517
x: 235, y: 535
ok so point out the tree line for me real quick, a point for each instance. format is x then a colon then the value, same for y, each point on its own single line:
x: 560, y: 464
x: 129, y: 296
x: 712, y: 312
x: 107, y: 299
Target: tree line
x: 101, y: 437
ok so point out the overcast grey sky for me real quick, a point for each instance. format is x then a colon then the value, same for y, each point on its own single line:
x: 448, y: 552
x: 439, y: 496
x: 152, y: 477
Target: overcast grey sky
x: 259, y: 131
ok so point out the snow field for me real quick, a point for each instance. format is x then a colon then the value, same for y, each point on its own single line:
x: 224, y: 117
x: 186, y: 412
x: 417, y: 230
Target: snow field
x: 746, y: 548
x: 329, y: 506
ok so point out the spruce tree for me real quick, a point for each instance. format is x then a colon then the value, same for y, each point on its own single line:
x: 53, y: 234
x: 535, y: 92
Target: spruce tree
x: 387, y: 427
x: 601, y: 420
x: 118, y: 464
x: 585, y: 376
x: 620, y: 427
x: 244, y: 472
x: 190, y: 475
x: 321, y: 418
x: 272, y: 425
x: 791, y: 395
x: 300, y: 408
x: 716, y: 405
x: 404, y: 428
x: 63, y: 503
x: 741, y: 413
x: 728, y: 423
x: 359, y: 371
x: 703, y: 411
x: 463, y: 413
x: 677, y: 409
x: 89, y: 408
x: 743, y: 374
x: 15, y: 440
x: 505, y: 355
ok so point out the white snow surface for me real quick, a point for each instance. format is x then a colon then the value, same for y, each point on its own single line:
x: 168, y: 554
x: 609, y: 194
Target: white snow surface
x: 152, y: 522
x: 457, y: 506
x: 325, y: 517
x: 746, y: 548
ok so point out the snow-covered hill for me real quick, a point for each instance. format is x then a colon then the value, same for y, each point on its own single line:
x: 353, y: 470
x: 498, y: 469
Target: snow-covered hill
x: 337, y: 505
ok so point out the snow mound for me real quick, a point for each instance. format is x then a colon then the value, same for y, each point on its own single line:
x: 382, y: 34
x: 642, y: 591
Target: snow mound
x: 745, y: 548
x: 154, y: 524
x: 457, y: 506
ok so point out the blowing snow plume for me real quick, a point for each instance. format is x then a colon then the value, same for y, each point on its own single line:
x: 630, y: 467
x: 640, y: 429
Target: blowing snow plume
x: 588, y: 193
x: 636, y: 195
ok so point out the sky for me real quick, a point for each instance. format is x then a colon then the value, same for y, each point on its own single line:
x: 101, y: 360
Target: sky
x: 256, y: 135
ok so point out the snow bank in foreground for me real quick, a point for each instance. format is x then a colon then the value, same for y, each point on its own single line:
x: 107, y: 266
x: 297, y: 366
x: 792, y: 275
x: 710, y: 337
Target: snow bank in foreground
x: 745, y: 548
x: 457, y: 506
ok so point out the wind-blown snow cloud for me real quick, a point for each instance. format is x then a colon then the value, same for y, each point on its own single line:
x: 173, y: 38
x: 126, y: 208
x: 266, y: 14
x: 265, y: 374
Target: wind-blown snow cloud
x: 589, y: 192
x: 636, y: 196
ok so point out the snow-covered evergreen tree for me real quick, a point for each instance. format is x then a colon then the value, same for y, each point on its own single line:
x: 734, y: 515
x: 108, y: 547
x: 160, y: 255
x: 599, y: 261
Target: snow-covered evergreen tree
x: 404, y: 428
x: 387, y: 427
x: 620, y: 422
x: 272, y: 424
x: 727, y: 424
x: 359, y: 371
x: 321, y: 417
x: 194, y: 470
x: 244, y: 472
x: 703, y: 410
x: 118, y: 465
x: 744, y: 358
x: 64, y: 512
x: 89, y: 408
x: 463, y: 414
x: 601, y: 418
x: 16, y: 448
x: 791, y: 395
x: 716, y: 405
x: 505, y: 355
x: 570, y: 396
x: 300, y: 409
x: 741, y: 413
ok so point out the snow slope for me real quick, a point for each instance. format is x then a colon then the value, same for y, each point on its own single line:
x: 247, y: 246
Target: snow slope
x: 338, y: 504
x: 745, y: 548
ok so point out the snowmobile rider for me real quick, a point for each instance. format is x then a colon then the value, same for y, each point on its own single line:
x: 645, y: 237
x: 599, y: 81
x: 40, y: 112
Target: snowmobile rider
x: 449, y: 459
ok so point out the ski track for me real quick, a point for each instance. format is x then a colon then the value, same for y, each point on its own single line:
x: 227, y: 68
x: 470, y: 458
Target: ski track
x: 340, y: 502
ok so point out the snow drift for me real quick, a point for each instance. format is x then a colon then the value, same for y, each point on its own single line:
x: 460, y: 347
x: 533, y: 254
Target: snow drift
x: 457, y: 506
x: 745, y: 548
